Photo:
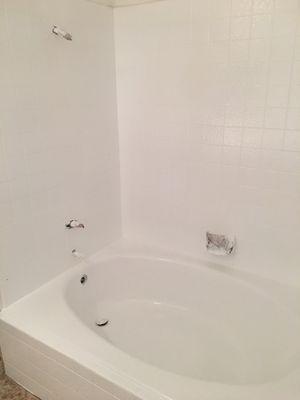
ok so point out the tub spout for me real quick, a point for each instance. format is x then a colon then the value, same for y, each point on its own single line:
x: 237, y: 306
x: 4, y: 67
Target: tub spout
x: 74, y: 224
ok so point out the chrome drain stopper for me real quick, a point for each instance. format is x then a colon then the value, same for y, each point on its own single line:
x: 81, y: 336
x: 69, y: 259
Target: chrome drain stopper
x: 102, y: 322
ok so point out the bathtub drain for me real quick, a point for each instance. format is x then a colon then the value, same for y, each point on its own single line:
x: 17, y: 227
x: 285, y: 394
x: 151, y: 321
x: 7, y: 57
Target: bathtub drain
x: 83, y: 279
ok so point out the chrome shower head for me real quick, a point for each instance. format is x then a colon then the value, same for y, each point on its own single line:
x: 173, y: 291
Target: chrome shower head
x: 60, y: 32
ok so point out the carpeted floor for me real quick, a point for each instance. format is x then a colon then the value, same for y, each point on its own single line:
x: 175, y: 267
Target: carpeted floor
x: 9, y: 390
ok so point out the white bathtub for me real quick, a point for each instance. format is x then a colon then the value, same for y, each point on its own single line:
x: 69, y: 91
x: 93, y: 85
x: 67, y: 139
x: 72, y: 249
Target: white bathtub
x: 177, y: 330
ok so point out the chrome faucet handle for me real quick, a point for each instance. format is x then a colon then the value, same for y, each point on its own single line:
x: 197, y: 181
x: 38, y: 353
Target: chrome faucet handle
x: 74, y: 224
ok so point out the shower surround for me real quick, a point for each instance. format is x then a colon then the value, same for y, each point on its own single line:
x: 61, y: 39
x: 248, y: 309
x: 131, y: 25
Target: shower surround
x: 58, y: 139
x: 209, y: 126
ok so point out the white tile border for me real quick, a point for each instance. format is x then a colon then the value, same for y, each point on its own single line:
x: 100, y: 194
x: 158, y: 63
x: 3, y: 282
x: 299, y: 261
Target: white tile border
x: 27, y: 383
x: 125, y: 3
x: 36, y: 369
x: 122, y: 3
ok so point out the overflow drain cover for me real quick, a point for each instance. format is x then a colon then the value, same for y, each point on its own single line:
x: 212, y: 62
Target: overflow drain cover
x: 102, y: 322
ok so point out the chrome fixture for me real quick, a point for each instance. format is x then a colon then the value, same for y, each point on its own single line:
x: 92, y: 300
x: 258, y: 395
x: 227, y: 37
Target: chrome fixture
x: 220, y: 245
x: 61, y: 33
x: 74, y: 224
x: 83, y: 279
x: 102, y: 322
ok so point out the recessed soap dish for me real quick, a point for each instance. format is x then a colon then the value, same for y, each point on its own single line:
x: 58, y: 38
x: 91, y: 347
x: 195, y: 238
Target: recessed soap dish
x: 220, y: 244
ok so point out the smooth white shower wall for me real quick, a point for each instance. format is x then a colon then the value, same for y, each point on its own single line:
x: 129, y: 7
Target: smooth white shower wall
x: 58, y: 132
x: 209, y: 120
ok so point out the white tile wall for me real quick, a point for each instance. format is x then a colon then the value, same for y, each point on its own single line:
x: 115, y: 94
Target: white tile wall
x: 58, y: 138
x: 209, y: 119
